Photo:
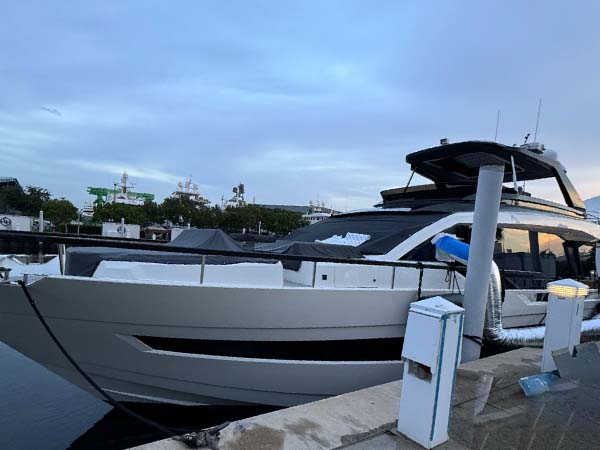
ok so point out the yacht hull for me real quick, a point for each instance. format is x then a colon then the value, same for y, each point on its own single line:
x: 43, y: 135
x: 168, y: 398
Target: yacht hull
x: 99, y: 323
x: 103, y: 325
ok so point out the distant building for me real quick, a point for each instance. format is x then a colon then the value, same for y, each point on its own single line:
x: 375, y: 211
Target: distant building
x: 10, y: 182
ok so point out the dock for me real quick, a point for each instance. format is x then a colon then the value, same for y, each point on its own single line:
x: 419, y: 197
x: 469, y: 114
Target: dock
x: 489, y: 411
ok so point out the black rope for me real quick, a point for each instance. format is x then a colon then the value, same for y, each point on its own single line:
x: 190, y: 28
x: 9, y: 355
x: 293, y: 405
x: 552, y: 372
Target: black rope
x: 421, y: 270
x: 452, y: 280
x: 192, y: 440
x: 542, y: 319
x: 478, y: 340
x: 457, y: 283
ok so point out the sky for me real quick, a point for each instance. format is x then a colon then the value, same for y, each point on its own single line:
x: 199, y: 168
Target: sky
x: 299, y: 100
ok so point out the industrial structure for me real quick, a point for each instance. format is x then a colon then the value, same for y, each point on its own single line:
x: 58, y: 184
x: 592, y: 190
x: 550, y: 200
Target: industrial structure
x: 120, y: 193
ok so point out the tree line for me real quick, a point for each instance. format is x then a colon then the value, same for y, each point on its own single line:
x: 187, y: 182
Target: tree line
x: 183, y: 211
x: 175, y: 211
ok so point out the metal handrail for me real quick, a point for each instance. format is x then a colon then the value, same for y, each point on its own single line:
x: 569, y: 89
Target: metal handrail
x: 77, y: 240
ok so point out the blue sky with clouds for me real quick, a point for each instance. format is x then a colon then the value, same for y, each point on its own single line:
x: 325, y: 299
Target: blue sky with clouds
x: 295, y: 99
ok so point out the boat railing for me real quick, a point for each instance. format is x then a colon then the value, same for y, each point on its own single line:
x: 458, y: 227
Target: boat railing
x: 69, y: 239
x: 593, y: 216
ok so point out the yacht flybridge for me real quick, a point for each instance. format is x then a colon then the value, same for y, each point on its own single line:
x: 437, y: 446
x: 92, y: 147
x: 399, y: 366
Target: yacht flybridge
x: 309, y: 318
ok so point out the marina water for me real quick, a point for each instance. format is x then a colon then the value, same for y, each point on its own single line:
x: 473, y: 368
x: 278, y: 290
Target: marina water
x: 41, y: 410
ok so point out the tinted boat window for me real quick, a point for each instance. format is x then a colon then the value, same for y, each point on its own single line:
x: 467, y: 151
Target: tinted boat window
x: 518, y: 250
x: 422, y: 252
x: 543, y: 257
x: 587, y: 254
x: 553, y: 258
x: 387, y: 230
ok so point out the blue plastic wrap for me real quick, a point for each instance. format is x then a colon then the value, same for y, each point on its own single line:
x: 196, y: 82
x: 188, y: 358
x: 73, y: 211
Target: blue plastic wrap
x: 453, y: 247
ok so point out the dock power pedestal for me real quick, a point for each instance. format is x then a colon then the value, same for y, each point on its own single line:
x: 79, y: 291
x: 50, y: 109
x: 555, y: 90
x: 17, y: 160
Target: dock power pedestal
x: 563, y: 318
x: 431, y: 353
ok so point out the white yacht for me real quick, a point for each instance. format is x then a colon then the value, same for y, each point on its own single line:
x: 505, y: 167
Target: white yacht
x: 190, y: 191
x: 317, y: 212
x: 177, y: 328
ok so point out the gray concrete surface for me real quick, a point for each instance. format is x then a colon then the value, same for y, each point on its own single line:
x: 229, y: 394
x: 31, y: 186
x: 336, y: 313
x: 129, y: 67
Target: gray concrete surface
x: 489, y: 412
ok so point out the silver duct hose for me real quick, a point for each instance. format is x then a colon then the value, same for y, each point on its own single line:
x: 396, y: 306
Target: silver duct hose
x: 524, y: 336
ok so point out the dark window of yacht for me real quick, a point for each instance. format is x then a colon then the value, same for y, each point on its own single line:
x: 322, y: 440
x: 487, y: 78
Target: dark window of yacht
x: 553, y: 257
x: 517, y: 255
x: 579, y: 260
x: 422, y: 252
x: 385, y: 229
x: 540, y: 258
x: 587, y: 255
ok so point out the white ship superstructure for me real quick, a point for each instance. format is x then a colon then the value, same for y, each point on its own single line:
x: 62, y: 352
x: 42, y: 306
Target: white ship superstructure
x: 317, y: 212
x: 190, y: 191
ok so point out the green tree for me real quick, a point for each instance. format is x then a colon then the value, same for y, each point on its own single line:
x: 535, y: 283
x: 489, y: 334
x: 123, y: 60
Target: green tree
x: 35, y: 198
x: 116, y: 211
x: 282, y: 221
x: 205, y: 217
x: 60, y: 212
x: 251, y: 216
x: 29, y: 202
x: 151, y: 212
x: 179, y: 211
x: 12, y: 200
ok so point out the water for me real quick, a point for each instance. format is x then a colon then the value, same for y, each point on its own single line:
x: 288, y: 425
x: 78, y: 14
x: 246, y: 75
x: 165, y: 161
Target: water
x: 38, y: 409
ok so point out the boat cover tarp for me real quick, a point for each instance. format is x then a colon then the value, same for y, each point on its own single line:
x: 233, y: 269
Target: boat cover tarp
x: 250, y: 237
x: 83, y: 261
x: 209, y: 239
x: 316, y: 249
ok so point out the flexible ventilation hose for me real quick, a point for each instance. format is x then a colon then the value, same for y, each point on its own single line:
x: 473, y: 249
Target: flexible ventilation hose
x: 522, y: 336
x: 493, y: 330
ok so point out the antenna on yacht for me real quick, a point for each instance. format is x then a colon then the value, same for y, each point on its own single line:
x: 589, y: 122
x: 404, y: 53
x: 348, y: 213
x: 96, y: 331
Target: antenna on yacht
x: 497, y: 123
x: 412, y: 174
x: 537, y: 122
x: 527, y: 137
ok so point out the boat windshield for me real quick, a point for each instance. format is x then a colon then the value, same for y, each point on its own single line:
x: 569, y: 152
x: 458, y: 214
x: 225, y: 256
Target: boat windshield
x: 384, y: 230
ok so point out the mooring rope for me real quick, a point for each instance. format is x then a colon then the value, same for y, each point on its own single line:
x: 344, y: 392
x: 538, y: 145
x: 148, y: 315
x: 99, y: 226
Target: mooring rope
x: 205, y: 438
x: 419, y: 289
x: 477, y: 339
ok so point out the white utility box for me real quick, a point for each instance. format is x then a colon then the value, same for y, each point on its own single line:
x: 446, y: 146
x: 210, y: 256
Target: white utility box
x: 563, y: 318
x: 431, y: 353
x: 15, y: 223
x: 120, y: 230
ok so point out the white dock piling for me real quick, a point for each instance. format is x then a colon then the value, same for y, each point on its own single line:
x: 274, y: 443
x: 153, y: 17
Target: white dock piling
x: 481, y: 253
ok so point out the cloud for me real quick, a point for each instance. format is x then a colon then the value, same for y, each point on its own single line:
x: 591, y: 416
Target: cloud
x: 296, y: 99
x: 52, y: 111
x: 116, y: 168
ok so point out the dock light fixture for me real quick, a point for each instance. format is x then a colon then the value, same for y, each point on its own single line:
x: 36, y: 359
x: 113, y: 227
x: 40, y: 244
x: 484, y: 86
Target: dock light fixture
x: 567, y: 288
x: 563, y: 318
